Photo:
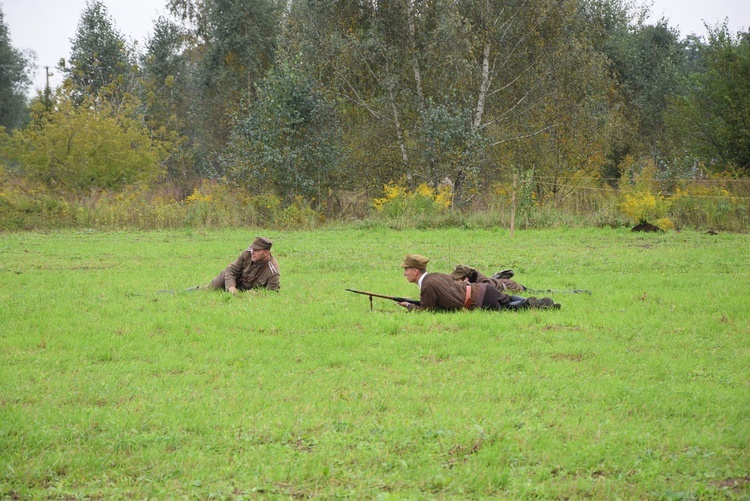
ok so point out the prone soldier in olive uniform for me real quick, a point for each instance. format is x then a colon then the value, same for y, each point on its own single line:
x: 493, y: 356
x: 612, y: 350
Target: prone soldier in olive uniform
x: 439, y: 291
x: 501, y: 280
x: 255, y: 268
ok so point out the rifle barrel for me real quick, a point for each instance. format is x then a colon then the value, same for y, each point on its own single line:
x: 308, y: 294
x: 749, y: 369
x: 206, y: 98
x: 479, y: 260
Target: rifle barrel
x: 555, y: 291
x: 392, y: 298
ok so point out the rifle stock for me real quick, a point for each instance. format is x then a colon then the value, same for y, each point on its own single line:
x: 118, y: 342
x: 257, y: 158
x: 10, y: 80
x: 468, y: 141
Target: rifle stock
x: 392, y: 298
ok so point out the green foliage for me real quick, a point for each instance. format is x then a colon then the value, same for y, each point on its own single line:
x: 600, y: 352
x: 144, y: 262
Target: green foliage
x: 308, y: 108
x: 230, y: 45
x: 113, y: 391
x: 709, y: 205
x: 99, y: 59
x: 437, y: 86
x: 95, y: 145
x: 287, y: 141
x: 710, y: 121
x: 719, y: 204
x: 29, y: 206
x: 649, y: 64
x: 447, y: 137
x: 14, y: 80
x: 167, y: 99
x: 401, y: 208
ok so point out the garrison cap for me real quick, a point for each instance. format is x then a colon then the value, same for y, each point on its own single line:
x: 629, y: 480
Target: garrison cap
x: 462, y: 271
x: 261, y: 243
x: 415, y: 261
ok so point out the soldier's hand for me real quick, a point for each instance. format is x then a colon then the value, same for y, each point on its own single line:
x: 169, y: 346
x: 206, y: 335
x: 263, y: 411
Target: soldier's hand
x: 232, y: 289
x: 404, y: 304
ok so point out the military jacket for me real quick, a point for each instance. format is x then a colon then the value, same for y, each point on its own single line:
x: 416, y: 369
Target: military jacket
x: 501, y: 284
x: 441, y: 292
x: 245, y: 274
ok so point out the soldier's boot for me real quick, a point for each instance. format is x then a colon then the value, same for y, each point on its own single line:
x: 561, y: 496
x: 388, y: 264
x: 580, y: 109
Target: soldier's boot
x: 517, y: 302
x: 508, y: 274
x: 547, y: 302
x: 531, y: 302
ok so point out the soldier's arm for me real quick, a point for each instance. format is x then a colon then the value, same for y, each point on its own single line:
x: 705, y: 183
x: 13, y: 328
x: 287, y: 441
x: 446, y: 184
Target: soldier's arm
x: 427, y: 300
x: 234, y: 271
x: 482, y: 278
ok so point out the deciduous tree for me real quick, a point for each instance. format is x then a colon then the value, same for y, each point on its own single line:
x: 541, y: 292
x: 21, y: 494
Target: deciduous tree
x: 168, y: 98
x: 712, y: 121
x: 14, y: 80
x: 76, y: 147
x: 100, y: 60
x: 232, y: 44
x: 286, y: 142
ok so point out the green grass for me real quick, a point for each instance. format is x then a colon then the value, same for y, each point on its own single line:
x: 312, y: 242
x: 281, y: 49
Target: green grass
x: 111, y: 390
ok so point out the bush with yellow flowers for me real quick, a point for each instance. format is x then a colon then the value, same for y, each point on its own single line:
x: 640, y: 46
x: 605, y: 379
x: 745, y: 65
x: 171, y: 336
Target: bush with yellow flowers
x: 643, y: 207
x: 398, y: 201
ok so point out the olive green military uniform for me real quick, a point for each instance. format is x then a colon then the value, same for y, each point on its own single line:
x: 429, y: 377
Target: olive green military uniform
x: 476, y: 277
x: 245, y: 274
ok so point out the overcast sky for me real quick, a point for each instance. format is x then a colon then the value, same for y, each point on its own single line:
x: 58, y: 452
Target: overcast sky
x: 46, y: 26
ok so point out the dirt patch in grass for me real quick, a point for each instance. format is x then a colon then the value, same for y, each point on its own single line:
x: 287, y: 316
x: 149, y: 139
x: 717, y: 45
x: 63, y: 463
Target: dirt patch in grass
x: 735, y: 484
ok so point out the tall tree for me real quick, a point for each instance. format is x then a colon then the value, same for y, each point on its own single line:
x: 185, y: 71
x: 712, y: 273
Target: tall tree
x: 14, y: 80
x: 713, y: 119
x: 647, y: 64
x: 100, y: 59
x: 287, y: 142
x: 442, y: 81
x: 165, y: 71
x: 233, y: 46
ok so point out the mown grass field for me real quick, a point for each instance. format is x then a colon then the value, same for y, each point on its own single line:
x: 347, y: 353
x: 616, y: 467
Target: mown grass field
x: 109, y: 389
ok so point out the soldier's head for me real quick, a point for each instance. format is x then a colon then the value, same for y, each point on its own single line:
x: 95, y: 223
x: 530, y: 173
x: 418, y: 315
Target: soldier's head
x: 463, y: 271
x: 260, y: 249
x: 414, y: 267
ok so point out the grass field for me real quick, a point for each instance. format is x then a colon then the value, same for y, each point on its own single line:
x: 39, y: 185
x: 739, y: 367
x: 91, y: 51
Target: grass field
x: 109, y: 389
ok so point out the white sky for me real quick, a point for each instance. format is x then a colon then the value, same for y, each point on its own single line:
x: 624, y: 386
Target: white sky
x: 46, y: 26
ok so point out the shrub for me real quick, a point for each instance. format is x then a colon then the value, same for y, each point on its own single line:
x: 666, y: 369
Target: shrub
x: 402, y: 208
x: 700, y: 205
x: 298, y: 215
x: 644, y: 207
x: 95, y: 145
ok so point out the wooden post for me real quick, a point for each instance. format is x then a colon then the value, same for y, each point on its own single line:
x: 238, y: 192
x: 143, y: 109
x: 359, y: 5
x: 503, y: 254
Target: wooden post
x: 513, y: 204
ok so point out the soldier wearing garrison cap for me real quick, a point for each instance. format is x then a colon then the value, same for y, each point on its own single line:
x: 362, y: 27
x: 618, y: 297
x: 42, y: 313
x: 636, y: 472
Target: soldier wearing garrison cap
x: 439, y: 291
x: 255, y: 268
x: 500, y: 280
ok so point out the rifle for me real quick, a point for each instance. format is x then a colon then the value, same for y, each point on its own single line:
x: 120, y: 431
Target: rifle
x: 553, y: 291
x: 189, y: 289
x: 393, y: 298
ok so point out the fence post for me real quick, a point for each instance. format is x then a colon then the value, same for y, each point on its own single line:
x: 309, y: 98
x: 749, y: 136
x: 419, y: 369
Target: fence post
x: 513, y: 206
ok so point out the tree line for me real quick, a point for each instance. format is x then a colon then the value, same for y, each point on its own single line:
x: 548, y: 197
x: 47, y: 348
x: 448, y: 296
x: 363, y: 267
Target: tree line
x: 313, y: 98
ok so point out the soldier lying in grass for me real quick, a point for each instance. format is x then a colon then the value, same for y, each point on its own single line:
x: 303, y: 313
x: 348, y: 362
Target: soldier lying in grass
x: 255, y: 268
x: 439, y: 291
x: 500, y: 280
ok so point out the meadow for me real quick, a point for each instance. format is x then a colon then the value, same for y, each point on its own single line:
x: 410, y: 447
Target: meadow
x: 111, y: 389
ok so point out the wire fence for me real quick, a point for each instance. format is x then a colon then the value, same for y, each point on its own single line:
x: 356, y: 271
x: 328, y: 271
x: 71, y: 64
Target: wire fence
x: 662, y: 193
